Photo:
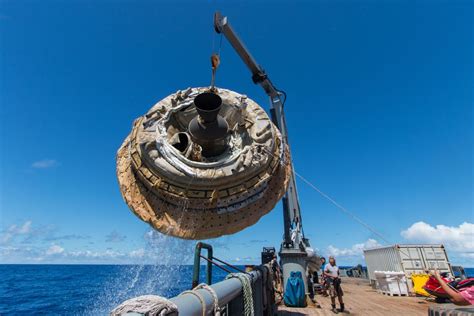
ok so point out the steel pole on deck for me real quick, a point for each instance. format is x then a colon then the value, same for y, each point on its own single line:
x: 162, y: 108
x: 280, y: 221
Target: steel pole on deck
x: 197, y: 263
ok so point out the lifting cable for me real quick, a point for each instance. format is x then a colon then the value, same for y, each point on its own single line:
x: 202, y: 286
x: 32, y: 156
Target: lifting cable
x: 339, y: 206
x: 350, y: 214
x: 342, y: 208
x: 215, y: 58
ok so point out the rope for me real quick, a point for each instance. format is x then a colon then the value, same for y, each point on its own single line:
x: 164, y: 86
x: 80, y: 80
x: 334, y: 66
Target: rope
x: 339, y: 206
x: 215, y: 299
x: 342, y: 208
x: 204, y: 286
x: 200, y: 298
x: 214, y: 50
x: 152, y: 305
x: 346, y: 211
x: 246, y: 281
x: 215, y: 58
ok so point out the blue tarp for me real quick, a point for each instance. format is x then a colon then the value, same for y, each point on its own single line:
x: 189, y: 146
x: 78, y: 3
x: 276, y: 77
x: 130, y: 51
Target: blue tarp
x: 294, y: 292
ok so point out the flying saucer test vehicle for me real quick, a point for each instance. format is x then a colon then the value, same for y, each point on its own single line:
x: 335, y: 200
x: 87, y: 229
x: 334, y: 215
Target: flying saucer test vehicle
x: 202, y: 163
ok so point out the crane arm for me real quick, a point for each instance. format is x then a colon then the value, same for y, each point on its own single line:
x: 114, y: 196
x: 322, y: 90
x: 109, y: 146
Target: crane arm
x: 293, y: 233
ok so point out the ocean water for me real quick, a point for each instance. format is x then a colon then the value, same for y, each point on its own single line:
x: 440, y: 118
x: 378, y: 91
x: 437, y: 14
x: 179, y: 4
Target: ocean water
x: 90, y: 289
x: 87, y: 289
x: 469, y: 272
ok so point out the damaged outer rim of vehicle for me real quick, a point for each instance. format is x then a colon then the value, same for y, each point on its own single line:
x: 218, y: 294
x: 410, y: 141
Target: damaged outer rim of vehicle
x: 182, y: 193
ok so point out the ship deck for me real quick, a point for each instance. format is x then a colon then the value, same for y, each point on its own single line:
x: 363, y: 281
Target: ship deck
x: 361, y: 299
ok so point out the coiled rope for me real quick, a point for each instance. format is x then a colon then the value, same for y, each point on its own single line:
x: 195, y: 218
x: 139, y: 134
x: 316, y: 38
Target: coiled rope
x: 204, y: 286
x: 152, y: 305
x: 246, y: 281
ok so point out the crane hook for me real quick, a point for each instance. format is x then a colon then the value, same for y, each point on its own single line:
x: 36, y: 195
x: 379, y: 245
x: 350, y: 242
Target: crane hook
x: 215, y: 61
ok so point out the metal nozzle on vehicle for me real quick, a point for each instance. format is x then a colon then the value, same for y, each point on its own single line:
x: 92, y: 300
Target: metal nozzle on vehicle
x: 209, y: 129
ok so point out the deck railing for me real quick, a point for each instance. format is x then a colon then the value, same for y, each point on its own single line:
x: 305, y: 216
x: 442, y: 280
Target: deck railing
x: 230, y: 297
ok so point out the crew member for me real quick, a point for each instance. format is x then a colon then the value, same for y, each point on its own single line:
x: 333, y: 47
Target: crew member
x: 331, y: 273
x: 277, y: 277
x: 322, y: 280
x: 309, y: 277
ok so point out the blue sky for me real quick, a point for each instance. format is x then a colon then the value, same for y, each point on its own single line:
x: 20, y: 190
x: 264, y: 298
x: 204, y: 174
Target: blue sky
x: 380, y: 100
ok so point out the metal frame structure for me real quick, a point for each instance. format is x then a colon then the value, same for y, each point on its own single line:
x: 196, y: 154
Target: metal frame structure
x: 197, y: 263
x: 292, y: 252
x: 211, y: 260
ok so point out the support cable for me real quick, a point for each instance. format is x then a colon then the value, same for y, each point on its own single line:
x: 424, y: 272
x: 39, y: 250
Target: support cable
x: 342, y: 208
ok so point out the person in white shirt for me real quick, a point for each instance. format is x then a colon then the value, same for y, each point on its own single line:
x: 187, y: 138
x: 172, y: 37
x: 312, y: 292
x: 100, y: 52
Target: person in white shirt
x: 331, y: 272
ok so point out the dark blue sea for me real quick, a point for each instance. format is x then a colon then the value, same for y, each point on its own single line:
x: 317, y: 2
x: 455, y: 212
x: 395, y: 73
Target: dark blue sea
x: 89, y: 289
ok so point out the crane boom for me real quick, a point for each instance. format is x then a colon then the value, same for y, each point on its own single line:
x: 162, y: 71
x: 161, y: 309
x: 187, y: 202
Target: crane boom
x: 294, y: 243
x: 291, y: 207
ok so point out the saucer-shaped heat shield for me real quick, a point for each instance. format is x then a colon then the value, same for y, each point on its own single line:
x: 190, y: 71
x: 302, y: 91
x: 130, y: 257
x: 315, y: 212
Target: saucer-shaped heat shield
x: 167, y: 180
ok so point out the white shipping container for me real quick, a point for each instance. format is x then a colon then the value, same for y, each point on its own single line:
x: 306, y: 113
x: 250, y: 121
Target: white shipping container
x: 406, y: 258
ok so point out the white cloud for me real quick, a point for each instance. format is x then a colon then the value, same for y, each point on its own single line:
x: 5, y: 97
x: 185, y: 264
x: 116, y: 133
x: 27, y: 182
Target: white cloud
x: 355, y: 250
x: 107, y: 254
x: 246, y: 259
x: 26, y: 242
x: 26, y: 228
x: 468, y: 255
x: 5, y: 251
x: 455, y: 238
x: 5, y: 238
x: 14, y: 230
x: 139, y: 253
x: 54, y: 250
x: 44, y: 164
x: 28, y: 233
